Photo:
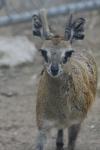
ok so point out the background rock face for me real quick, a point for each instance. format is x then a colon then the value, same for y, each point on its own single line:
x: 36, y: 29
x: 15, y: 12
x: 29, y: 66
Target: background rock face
x: 18, y: 85
x: 16, y: 51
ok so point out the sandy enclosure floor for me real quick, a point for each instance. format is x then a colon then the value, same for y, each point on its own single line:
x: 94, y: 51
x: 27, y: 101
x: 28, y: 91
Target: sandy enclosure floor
x: 18, y: 99
x: 17, y: 113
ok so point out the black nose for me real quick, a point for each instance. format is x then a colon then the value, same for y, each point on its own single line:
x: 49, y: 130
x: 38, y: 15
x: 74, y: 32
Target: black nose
x: 54, y: 69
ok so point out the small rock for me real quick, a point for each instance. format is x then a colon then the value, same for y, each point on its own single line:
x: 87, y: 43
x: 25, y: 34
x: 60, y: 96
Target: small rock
x: 92, y: 126
x: 34, y: 77
x: 9, y: 94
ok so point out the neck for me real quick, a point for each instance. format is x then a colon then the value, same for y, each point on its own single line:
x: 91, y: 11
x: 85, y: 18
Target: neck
x: 51, y: 78
x: 57, y: 82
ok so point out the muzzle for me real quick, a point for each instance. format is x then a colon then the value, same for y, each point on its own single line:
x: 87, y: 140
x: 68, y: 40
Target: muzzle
x: 54, y: 69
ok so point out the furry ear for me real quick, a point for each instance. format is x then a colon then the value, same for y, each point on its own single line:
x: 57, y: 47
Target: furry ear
x: 75, y: 29
x: 40, y: 25
x: 36, y: 25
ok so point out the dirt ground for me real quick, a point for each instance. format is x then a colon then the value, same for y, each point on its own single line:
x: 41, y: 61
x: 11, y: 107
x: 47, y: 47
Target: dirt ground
x: 18, y: 98
x: 17, y: 112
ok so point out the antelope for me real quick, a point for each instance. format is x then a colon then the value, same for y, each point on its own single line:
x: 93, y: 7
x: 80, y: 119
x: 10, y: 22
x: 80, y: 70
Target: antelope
x: 68, y: 82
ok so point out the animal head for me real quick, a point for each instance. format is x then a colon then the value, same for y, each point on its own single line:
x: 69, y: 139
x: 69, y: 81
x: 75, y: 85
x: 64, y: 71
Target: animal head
x: 56, y: 49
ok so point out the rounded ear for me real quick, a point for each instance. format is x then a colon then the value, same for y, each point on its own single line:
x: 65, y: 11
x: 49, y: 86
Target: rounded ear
x: 40, y: 26
x: 37, y: 30
x: 75, y: 29
x: 36, y: 25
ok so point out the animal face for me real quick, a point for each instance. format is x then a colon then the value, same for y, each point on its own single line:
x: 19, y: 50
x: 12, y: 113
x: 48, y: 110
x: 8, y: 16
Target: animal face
x: 55, y: 56
x: 56, y: 49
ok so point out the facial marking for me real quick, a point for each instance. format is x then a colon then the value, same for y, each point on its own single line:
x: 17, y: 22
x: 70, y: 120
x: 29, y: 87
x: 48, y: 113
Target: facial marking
x: 56, y: 55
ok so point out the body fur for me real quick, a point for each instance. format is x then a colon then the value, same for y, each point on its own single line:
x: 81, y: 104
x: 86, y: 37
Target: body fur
x: 67, y: 99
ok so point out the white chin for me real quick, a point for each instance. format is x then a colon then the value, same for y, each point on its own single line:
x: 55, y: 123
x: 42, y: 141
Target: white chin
x: 54, y: 76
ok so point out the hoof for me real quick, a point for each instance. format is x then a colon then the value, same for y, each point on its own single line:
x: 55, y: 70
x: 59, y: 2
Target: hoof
x: 60, y: 148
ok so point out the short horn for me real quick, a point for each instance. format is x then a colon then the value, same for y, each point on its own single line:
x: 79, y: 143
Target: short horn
x: 46, y: 30
x: 68, y: 29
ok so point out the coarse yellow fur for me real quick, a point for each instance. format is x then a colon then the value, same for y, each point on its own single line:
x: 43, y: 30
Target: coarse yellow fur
x: 67, y: 99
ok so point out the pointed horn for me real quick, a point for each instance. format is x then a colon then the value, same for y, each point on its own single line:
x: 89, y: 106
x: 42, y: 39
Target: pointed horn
x: 68, y: 28
x: 46, y: 30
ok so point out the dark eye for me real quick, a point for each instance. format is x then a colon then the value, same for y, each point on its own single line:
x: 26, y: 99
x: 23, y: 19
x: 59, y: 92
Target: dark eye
x: 44, y: 54
x: 67, y: 55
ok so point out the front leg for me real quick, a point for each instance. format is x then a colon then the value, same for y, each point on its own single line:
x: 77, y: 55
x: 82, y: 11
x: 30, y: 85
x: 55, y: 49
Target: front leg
x: 59, y: 140
x: 72, y: 136
x: 41, y: 140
